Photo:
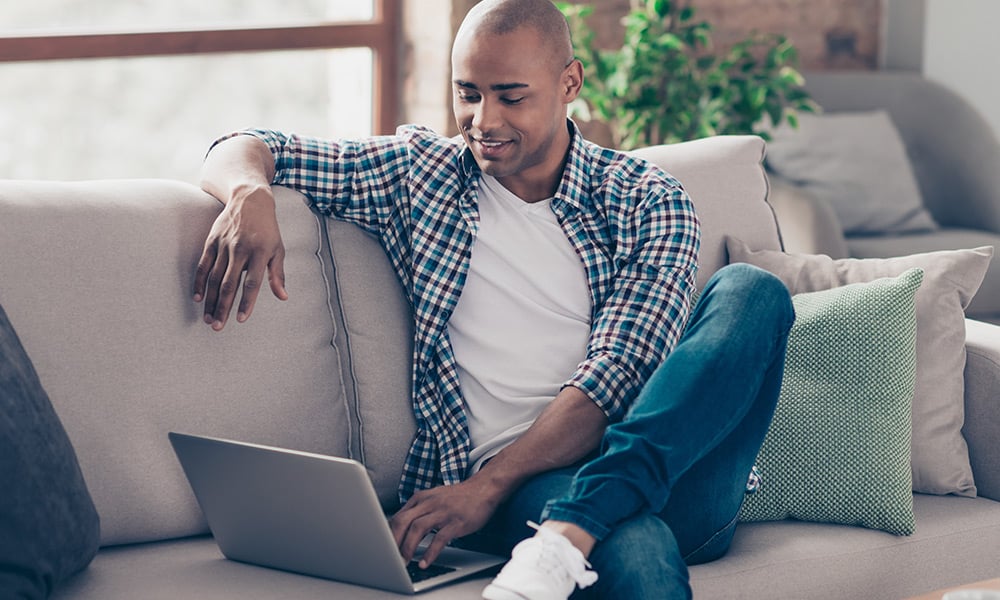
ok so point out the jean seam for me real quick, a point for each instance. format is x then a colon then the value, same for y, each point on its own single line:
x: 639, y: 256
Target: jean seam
x: 725, y: 528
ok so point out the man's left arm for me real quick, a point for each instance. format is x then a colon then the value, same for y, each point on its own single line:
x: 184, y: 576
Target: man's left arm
x: 651, y: 296
x: 568, y: 429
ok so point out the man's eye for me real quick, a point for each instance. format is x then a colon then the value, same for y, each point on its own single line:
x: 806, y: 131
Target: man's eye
x: 512, y: 100
x: 468, y: 97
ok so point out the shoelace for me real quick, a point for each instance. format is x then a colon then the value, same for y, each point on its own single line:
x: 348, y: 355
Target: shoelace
x: 562, y: 555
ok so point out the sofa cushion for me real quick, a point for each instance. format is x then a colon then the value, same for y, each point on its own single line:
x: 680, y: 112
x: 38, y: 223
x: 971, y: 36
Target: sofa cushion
x: 98, y: 276
x: 375, y: 331
x: 985, y: 304
x: 857, y: 163
x: 956, y: 540
x: 939, y: 454
x: 49, y: 528
x: 193, y: 568
x: 838, y: 449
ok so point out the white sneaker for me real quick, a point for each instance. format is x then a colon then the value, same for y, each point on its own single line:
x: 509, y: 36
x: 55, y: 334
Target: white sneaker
x: 544, y: 567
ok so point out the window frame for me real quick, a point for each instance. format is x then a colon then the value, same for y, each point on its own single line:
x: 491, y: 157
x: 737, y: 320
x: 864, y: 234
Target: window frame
x: 381, y: 35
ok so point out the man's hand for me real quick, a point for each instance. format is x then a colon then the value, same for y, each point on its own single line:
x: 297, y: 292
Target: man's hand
x: 566, y: 431
x: 449, y: 512
x: 243, y: 239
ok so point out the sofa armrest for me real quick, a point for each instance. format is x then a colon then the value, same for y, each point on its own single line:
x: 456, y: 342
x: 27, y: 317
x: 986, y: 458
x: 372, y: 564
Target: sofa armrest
x: 808, y: 225
x: 982, y: 405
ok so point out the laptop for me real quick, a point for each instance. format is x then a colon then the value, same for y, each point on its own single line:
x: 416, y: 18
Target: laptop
x: 306, y: 513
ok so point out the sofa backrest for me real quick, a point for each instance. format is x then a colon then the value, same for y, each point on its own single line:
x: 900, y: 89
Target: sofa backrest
x: 95, y: 277
x: 951, y: 146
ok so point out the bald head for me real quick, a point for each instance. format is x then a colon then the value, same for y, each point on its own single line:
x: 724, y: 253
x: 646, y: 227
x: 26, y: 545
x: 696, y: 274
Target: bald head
x: 499, y: 17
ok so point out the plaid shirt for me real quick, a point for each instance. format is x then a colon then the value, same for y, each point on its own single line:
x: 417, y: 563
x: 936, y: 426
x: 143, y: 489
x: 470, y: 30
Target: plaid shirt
x: 632, y: 225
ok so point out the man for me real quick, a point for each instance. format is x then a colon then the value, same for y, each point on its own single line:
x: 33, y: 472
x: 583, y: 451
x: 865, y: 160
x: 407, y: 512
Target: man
x: 549, y: 278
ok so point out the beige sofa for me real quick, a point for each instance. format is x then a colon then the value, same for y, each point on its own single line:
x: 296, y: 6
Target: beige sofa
x: 95, y: 276
x: 953, y: 152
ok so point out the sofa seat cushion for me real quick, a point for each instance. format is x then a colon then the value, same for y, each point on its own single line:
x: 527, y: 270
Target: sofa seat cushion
x: 986, y: 304
x: 956, y: 541
x: 194, y: 568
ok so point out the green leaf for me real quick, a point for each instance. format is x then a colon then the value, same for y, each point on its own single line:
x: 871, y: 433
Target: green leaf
x: 791, y: 77
x: 669, y: 41
x: 666, y: 83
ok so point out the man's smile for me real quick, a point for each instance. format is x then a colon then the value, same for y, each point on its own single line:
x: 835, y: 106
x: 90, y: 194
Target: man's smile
x: 490, y: 148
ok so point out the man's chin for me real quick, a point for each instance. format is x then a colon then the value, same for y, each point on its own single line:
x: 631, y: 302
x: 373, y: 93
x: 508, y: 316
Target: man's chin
x: 493, y: 168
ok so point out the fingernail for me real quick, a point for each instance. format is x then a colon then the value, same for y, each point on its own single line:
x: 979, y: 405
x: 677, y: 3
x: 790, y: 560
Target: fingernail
x: 209, y: 319
x: 197, y: 297
x: 241, y: 317
x: 217, y: 326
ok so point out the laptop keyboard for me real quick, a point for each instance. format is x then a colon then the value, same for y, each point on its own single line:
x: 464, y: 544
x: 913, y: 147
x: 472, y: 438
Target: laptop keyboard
x: 417, y: 574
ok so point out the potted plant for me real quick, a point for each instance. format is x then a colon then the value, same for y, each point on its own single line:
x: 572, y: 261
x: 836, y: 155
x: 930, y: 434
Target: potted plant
x: 666, y: 84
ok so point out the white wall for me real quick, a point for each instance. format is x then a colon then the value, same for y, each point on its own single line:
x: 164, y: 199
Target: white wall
x: 961, y: 50
x: 903, y: 35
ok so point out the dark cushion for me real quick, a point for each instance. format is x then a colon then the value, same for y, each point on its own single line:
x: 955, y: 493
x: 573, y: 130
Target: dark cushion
x: 49, y: 528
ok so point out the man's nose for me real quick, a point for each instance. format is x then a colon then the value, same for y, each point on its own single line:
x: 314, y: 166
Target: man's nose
x: 486, y: 116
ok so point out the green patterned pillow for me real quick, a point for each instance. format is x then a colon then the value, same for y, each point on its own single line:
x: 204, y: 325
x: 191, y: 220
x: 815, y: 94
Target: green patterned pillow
x: 838, y: 450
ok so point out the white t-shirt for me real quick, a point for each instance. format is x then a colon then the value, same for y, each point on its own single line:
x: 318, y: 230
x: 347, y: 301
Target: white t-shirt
x: 523, y: 321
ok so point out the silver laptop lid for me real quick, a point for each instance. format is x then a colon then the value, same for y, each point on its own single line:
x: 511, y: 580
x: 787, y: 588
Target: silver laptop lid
x: 302, y: 512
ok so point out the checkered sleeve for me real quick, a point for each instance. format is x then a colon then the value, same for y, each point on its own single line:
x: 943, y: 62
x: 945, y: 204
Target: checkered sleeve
x: 643, y: 316
x: 354, y: 180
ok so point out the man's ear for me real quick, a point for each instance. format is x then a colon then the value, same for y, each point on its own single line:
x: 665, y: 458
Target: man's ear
x: 572, y: 81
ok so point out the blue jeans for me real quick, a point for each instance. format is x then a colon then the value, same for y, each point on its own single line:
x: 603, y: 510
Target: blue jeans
x: 665, y: 489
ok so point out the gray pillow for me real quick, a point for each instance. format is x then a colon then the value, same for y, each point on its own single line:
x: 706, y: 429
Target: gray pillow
x: 940, y: 456
x: 49, y: 528
x: 856, y: 162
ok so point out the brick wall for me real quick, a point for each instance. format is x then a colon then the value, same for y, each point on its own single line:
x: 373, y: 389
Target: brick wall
x: 829, y: 34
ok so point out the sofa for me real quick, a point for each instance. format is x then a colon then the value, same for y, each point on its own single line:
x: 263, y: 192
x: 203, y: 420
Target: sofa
x: 96, y: 279
x: 949, y: 146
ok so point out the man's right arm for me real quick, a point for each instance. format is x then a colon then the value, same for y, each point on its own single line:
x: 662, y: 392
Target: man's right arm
x: 245, y: 236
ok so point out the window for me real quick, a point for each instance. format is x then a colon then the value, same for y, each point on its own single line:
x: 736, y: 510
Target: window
x: 92, y: 90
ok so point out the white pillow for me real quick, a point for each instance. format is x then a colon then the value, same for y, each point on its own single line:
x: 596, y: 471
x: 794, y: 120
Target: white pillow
x: 857, y: 162
x: 940, y: 456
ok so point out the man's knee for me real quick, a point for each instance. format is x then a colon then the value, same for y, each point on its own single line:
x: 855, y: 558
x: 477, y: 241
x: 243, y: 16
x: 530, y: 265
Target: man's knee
x: 751, y: 293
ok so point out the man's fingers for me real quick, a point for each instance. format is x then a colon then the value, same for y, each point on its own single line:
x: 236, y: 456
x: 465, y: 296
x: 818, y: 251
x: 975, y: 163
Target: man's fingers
x: 441, y: 539
x: 204, y: 268
x: 410, y: 525
x: 251, y: 287
x: 215, y: 275
x: 276, y: 275
x: 418, y: 530
x: 228, y: 289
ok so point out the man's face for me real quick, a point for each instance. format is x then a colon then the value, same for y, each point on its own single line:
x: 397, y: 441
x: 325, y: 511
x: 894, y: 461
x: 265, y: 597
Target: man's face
x: 510, y: 96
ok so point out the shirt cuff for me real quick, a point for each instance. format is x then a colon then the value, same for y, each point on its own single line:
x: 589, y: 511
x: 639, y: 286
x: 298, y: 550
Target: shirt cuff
x: 609, y: 384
